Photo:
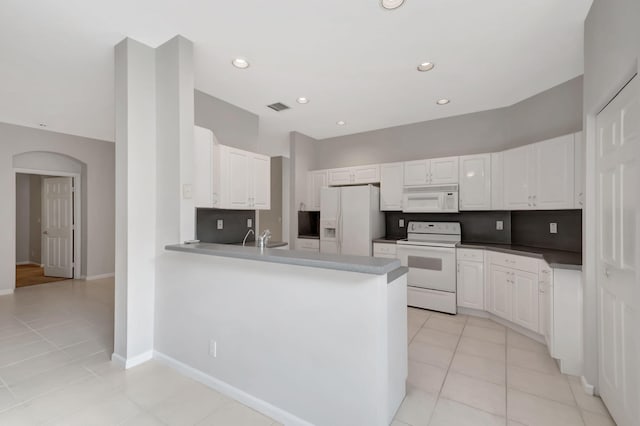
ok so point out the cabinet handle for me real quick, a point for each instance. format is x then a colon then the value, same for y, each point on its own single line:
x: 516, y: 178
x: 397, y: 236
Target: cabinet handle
x: 534, y: 201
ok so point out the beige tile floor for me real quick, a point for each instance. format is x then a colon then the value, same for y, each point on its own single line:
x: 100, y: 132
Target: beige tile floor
x: 55, y: 342
x: 471, y: 371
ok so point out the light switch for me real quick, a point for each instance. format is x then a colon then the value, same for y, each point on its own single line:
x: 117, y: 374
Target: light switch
x: 499, y: 225
x: 220, y: 223
x: 249, y: 223
x: 187, y: 191
x: 401, y: 223
x: 553, y: 228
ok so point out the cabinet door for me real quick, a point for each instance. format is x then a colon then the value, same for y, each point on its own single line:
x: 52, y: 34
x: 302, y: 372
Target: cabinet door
x: 475, y: 182
x: 339, y: 177
x: 470, y: 291
x: 260, y: 196
x: 444, y: 170
x: 517, y: 173
x: 525, y: 299
x: 416, y: 172
x: 203, y: 167
x: 317, y: 180
x: 554, y: 175
x: 497, y: 181
x: 238, y: 178
x: 391, y: 182
x: 366, y: 174
x: 500, y: 291
x: 578, y: 170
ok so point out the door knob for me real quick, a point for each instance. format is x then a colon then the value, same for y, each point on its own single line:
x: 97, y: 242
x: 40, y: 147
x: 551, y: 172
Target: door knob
x: 606, y: 272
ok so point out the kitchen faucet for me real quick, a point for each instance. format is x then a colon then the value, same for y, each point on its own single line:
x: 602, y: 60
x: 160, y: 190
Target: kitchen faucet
x: 250, y: 231
x: 263, y: 239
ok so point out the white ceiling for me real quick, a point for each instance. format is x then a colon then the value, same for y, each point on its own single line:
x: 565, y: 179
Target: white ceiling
x: 353, y: 60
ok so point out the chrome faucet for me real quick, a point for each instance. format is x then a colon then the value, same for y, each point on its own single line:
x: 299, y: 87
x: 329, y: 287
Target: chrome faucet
x: 263, y: 239
x: 250, y: 231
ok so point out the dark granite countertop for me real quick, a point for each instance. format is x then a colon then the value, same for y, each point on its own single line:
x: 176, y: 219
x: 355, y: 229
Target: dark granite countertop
x: 361, y: 264
x: 555, y: 258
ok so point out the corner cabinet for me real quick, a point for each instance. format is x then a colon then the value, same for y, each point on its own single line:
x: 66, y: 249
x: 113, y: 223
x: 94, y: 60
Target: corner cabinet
x: 229, y: 178
x: 540, y: 176
x: 391, y: 185
x: 470, y: 292
x: 316, y: 180
x: 475, y: 182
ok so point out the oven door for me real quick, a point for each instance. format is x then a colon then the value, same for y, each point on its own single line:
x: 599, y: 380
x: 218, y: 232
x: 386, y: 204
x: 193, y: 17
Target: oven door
x: 431, y: 268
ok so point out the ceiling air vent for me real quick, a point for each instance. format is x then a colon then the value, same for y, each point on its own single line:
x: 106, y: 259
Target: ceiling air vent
x: 278, y: 106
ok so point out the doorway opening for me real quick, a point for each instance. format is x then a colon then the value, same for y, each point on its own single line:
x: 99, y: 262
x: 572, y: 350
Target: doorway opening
x: 47, y: 227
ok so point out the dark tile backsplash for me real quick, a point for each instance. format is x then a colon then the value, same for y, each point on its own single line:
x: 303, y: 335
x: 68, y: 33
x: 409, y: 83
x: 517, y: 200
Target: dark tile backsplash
x: 234, y: 225
x: 531, y: 228
x: 476, y: 226
x: 309, y: 223
x: 528, y: 228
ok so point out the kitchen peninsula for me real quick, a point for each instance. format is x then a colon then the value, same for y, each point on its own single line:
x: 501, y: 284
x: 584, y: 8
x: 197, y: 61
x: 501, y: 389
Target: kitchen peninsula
x: 308, y: 338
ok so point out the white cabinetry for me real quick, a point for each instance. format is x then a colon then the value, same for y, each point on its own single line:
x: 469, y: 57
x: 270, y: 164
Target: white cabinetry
x: 431, y: 172
x: 513, y: 289
x: 391, y: 183
x: 475, y: 182
x: 316, y: 180
x: 229, y: 178
x: 497, y: 181
x: 357, y: 175
x: 308, y: 244
x: 540, y: 176
x: 470, y: 292
x: 385, y: 250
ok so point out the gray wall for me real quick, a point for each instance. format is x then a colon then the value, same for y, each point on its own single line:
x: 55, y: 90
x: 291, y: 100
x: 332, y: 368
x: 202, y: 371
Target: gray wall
x: 303, y: 158
x: 611, y: 52
x: 22, y: 218
x: 232, y: 126
x: 552, y: 113
x: 99, y: 158
x: 272, y: 219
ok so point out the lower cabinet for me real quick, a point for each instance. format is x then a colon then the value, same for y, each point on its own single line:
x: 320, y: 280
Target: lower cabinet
x: 308, y: 244
x: 500, y: 292
x: 385, y: 250
x: 525, y: 299
x: 470, y: 292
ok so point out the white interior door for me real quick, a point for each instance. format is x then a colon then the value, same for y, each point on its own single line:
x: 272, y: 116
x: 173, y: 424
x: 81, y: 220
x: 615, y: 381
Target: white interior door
x: 617, y: 153
x: 57, y: 227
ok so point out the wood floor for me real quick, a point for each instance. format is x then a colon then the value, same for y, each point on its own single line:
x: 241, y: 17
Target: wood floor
x: 32, y: 275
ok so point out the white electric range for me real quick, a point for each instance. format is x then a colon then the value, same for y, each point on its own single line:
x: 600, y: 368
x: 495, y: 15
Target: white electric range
x: 430, y: 254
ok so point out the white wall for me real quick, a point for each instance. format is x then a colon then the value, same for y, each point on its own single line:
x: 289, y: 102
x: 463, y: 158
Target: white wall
x: 303, y: 159
x: 23, y: 213
x: 611, y: 55
x: 99, y: 158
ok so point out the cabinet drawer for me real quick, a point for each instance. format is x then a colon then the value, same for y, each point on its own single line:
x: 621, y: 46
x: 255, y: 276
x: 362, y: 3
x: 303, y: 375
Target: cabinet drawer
x: 476, y: 255
x: 384, y: 250
x: 307, y: 244
x: 522, y: 263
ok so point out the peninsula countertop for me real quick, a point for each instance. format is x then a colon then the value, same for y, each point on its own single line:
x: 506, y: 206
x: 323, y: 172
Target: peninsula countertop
x: 361, y: 264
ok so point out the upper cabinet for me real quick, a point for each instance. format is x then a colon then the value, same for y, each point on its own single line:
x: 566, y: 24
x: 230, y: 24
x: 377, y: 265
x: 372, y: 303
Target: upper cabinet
x: 229, y: 178
x: 358, y: 175
x: 391, y: 183
x: 431, y: 172
x: 540, y: 176
x: 475, y: 182
x: 579, y: 170
x: 316, y: 180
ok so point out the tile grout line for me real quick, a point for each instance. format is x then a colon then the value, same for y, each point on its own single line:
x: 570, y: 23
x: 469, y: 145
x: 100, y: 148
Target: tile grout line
x: 506, y: 377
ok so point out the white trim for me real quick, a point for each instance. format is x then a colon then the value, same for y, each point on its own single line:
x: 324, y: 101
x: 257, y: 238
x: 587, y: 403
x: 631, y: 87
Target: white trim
x: 586, y: 387
x: 27, y: 262
x: 515, y: 327
x: 127, y: 363
x: 77, y: 200
x: 99, y: 277
x: 241, y: 396
x: 6, y: 292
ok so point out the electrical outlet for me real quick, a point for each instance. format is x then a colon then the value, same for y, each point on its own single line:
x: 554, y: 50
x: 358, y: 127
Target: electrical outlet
x: 220, y: 224
x: 213, y: 348
x: 553, y: 228
x: 249, y: 223
x: 499, y: 225
x: 401, y: 223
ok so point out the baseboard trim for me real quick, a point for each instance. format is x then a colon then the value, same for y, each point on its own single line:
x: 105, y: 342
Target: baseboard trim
x: 126, y: 363
x: 241, y: 396
x: 515, y: 327
x: 6, y: 292
x: 99, y: 277
x: 28, y: 262
x: 586, y: 387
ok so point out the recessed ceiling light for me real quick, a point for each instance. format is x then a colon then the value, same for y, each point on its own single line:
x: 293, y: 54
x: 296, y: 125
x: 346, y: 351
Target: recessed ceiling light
x: 302, y: 100
x: 442, y: 101
x: 240, y: 63
x: 391, y: 4
x: 426, y: 66
x: 42, y: 124
x: 341, y: 123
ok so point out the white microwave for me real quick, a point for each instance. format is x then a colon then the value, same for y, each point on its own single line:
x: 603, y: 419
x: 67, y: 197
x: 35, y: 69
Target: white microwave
x: 430, y: 199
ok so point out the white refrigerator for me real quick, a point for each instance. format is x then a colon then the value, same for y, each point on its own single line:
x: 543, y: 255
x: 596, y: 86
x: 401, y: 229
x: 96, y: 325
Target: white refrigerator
x: 350, y: 219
